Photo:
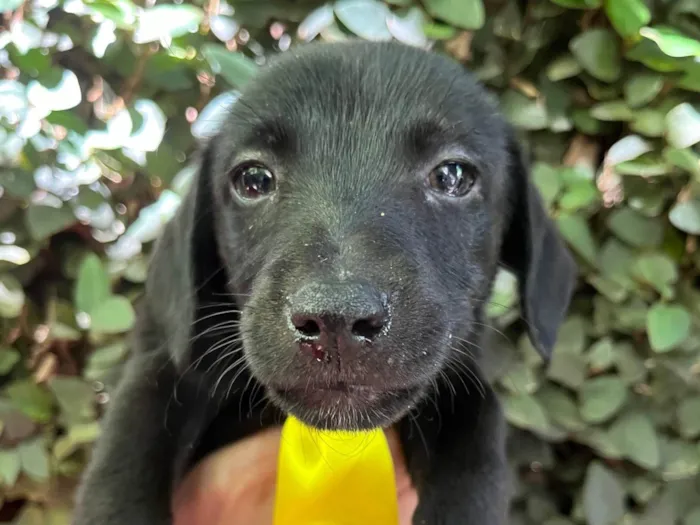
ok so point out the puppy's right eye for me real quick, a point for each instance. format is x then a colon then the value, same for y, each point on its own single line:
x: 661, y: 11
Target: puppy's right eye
x: 253, y: 181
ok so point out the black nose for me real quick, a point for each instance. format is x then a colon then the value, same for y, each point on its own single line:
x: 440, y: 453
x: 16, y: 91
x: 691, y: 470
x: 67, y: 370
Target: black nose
x: 346, y: 310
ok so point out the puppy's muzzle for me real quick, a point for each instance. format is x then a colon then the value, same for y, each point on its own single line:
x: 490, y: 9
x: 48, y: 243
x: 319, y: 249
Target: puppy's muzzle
x: 338, y: 319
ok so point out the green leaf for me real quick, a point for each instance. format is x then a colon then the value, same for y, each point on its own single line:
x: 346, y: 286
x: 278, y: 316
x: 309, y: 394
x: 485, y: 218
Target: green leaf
x: 660, y: 510
x: 34, y: 459
x: 45, y: 221
x: 657, y: 270
x: 691, y: 79
x: 648, y: 165
x: 167, y: 21
x: 113, y: 316
x: 603, y: 496
x: 601, y: 397
x: 31, y: 399
x: 693, y: 517
x: 685, y: 159
x: 524, y: 411
x: 563, y: 67
x: 521, y: 379
x: 598, y: 53
x: 671, y: 41
x: 546, y: 179
x: 122, y: 12
x: 601, y: 355
x: 236, y: 68
x: 560, y: 408
x: 636, y: 438
x: 635, y: 229
x: 616, y: 110
x: 9, y: 357
x: 649, y: 122
x: 11, y: 297
x: 76, y: 437
x: 578, y: 196
x: 627, y: 16
x: 681, y: 460
x: 524, y: 112
x: 686, y: 216
x: 10, y: 466
x: 667, y: 326
x: 642, y: 88
x: 93, y: 285
x: 683, y: 126
x: 579, y: 4
x: 688, y: 415
x: 629, y: 364
x: 366, y: 18
x: 577, y: 232
x: 465, y: 14
x: 75, y: 398
x: 568, y: 369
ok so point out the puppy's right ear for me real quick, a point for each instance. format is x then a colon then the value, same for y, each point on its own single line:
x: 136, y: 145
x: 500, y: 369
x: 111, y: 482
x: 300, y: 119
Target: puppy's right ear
x: 185, y: 268
x: 535, y: 251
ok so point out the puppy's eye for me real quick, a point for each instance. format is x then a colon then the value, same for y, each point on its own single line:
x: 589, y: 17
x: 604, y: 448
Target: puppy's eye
x: 253, y: 181
x: 452, y: 178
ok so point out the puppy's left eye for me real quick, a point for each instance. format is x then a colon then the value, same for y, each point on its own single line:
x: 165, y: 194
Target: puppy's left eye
x: 454, y: 179
x: 252, y: 181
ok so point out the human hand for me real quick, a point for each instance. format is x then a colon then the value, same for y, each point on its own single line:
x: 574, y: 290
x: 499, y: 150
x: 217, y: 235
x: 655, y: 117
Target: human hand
x: 237, y: 484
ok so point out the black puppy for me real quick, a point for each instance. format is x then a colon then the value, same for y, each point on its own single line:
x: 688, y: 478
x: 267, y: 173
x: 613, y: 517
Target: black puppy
x: 333, y: 260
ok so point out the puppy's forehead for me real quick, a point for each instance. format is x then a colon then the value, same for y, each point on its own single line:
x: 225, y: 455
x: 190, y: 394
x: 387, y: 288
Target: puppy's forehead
x: 386, y: 97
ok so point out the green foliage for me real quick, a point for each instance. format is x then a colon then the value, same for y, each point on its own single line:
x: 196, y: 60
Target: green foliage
x: 103, y: 101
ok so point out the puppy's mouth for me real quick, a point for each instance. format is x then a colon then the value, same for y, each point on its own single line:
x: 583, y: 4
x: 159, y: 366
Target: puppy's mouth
x: 345, y: 406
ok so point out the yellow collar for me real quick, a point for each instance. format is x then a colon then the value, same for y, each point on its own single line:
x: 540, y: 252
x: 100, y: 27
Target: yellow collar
x: 334, y: 478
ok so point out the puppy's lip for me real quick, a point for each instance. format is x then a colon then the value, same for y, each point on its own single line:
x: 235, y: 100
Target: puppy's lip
x: 339, y: 388
x: 339, y: 394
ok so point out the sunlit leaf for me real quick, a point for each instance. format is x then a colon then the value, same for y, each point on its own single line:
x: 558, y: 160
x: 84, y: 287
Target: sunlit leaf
x: 57, y: 91
x: 672, y: 42
x: 12, y: 296
x: 686, y: 216
x: 168, y: 21
x: 683, y: 126
x: 365, y: 18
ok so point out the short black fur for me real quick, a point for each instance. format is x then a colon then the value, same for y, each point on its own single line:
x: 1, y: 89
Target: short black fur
x: 351, y: 131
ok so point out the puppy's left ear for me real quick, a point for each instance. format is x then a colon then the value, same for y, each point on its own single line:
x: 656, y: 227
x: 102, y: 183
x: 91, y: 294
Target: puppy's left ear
x: 534, y: 250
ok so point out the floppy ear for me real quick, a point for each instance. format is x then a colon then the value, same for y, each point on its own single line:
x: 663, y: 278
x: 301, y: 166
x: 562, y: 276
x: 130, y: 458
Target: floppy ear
x: 534, y: 250
x: 185, y: 269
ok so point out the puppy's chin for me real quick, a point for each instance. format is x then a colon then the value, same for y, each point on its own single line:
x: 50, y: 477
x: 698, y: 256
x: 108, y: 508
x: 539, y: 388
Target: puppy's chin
x: 347, y: 407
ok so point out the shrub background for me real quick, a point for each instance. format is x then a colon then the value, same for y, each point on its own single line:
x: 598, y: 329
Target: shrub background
x: 103, y: 101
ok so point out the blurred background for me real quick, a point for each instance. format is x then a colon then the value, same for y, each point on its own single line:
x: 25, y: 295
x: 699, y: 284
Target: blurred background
x: 102, y: 103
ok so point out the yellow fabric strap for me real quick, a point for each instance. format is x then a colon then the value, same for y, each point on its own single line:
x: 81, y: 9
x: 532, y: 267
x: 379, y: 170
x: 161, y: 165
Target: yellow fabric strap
x: 334, y: 478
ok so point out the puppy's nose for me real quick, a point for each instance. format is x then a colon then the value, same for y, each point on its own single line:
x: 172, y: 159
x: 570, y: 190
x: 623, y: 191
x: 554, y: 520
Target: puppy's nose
x: 338, y: 311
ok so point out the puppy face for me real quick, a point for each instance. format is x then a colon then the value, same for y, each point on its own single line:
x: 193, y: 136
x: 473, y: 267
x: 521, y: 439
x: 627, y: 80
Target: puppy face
x: 360, y: 196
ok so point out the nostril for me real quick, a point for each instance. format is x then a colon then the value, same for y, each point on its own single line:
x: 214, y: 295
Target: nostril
x: 367, y: 328
x: 306, y: 326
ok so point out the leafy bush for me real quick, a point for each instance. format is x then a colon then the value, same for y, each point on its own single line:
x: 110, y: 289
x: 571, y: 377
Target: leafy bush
x: 103, y: 101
